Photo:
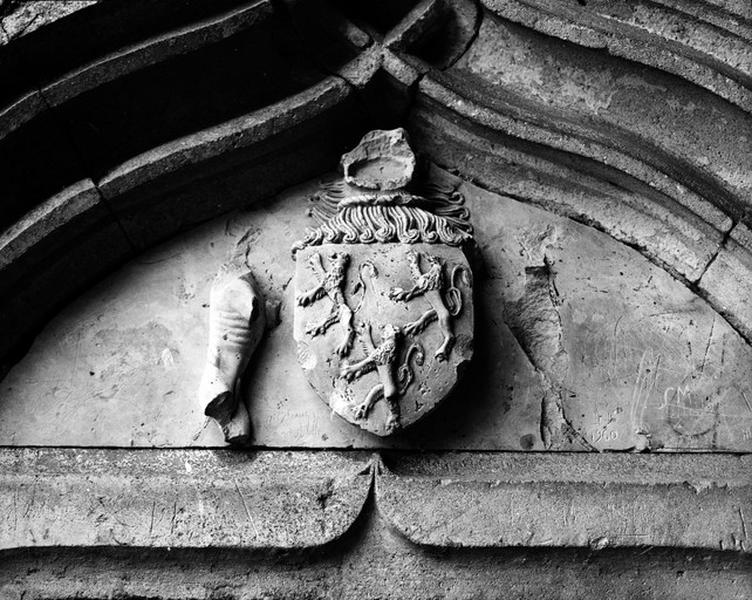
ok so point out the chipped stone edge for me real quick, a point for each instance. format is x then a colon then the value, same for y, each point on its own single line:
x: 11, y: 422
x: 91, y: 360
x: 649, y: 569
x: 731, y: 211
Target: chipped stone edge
x: 263, y: 500
x: 68, y: 497
x: 493, y: 500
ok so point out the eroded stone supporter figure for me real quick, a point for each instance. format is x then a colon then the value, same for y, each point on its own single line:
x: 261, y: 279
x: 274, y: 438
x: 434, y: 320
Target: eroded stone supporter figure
x: 385, y: 266
x: 237, y: 321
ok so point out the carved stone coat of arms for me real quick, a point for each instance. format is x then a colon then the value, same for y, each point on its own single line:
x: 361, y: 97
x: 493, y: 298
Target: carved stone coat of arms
x: 383, y: 305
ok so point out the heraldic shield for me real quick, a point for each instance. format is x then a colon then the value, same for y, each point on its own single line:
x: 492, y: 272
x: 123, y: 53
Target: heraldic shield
x: 383, y: 289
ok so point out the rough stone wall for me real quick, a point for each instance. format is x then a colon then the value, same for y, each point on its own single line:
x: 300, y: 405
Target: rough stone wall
x: 603, y: 150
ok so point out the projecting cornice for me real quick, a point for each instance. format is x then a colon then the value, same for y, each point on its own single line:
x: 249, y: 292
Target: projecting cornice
x: 278, y: 500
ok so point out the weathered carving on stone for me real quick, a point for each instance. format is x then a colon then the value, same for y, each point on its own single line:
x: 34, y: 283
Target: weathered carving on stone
x: 385, y: 262
x: 382, y: 160
x: 431, y: 285
x: 330, y: 283
x: 381, y: 357
x: 237, y: 321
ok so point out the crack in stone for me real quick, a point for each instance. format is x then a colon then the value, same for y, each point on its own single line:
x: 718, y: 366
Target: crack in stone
x: 721, y: 246
x: 471, y: 40
x: 54, y: 114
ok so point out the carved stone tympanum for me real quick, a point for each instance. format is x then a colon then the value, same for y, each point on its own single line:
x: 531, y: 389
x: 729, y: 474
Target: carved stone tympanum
x: 383, y: 306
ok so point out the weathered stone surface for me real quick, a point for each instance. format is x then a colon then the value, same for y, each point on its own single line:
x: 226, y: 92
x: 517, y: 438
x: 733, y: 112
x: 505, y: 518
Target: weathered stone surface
x: 237, y: 323
x: 707, y: 46
x: 175, y: 186
x: 275, y: 499
x: 480, y: 500
x: 37, y: 160
x: 371, y: 254
x: 426, y: 368
x: 50, y: 254
x: 390, y: 563
x: 22, y: 18
x: 290, y: 498
x: 549, y: 370
x: 159, y: 49
x: 22, y: 110
x: 567, y: 301
x: 632, y: 337
x: 591, y: 105
x: 40, y: 226
x: 178, y: 499
x: 244, y: 131
x: 683, y: 236
x: 382, y: 160
x: 727, y: 283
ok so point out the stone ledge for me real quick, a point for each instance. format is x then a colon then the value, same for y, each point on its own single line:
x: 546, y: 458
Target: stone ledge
x: 499, y: 500
x: 79, y: 498
x: 372, y: 563
x: 178, y: 499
